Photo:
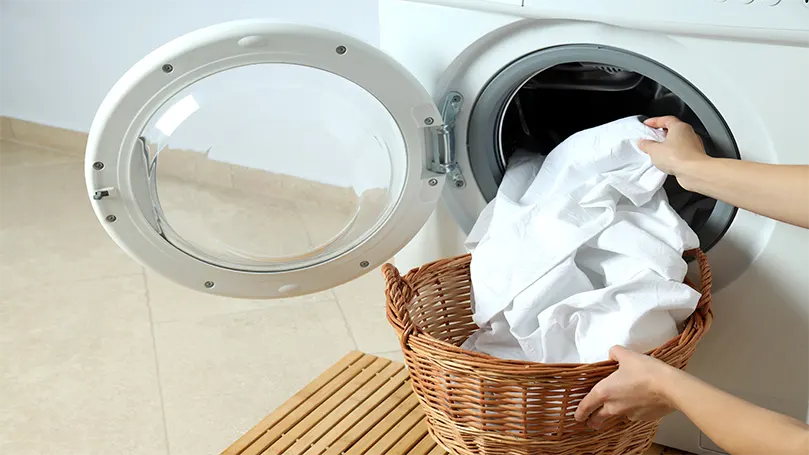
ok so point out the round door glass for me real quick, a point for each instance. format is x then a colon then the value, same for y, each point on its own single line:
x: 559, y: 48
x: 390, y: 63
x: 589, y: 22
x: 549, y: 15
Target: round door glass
x: 272, y: 167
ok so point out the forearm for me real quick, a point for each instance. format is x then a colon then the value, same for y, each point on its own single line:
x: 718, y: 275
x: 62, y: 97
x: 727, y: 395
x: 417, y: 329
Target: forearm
x: 737, y: 426
x: 780, y: 192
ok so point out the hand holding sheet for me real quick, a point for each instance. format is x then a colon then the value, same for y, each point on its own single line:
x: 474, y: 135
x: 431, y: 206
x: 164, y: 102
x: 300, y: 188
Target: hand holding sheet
x: 580, y: 251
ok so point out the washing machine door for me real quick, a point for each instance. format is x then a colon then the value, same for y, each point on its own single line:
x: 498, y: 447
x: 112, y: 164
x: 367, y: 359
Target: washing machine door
x: 262, y: 160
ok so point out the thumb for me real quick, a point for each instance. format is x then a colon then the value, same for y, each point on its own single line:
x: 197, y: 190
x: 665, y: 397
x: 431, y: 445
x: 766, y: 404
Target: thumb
x: 662, y: 122
x: 619, y: 353
x: 648, y: 146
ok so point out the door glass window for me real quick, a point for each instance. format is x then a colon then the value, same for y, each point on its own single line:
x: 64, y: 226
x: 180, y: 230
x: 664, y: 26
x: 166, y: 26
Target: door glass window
x: 272, y: 167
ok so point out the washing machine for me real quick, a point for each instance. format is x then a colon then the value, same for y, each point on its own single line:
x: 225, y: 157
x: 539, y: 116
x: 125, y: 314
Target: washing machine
x: 259, y: 159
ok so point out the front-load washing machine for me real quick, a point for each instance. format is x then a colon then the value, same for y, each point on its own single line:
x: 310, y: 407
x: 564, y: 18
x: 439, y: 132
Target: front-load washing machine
x: 267, y: 160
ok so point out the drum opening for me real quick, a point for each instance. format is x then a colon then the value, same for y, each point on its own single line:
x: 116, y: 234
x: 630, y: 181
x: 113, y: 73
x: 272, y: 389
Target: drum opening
x: 545, y: 97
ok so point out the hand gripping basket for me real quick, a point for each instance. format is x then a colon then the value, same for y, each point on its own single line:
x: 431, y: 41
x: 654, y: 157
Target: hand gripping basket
x: 480, y: 405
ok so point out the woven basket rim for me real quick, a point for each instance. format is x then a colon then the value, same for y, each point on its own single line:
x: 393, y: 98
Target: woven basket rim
x: 702, y: 315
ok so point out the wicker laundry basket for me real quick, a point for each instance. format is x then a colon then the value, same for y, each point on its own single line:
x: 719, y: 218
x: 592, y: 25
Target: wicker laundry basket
x: 480, y: 405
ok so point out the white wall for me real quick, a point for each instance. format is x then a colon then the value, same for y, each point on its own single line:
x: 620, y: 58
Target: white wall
x: 287, y: 119
x: 58, y: 58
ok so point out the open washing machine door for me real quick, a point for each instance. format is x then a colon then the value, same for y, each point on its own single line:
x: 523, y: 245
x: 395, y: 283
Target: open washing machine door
x: 259, y: 159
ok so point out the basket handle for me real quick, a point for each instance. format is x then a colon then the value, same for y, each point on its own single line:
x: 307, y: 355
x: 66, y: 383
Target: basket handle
x: 398, y: 293
x: 705, y: 279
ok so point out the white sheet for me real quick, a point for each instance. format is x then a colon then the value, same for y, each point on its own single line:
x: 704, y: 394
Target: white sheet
x: 580, y: 252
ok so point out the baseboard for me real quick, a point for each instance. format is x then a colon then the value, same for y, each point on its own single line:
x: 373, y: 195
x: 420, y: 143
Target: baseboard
x: 5, y: 128
x: 194, y: 167
x: 44, y: 136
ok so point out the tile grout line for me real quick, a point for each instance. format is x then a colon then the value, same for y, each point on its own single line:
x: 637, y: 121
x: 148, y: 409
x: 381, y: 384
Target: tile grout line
x: 156, y: 361
x: 345, y: 320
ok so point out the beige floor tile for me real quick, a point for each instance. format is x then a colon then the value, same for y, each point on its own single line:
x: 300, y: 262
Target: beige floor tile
x: 78, y: 372
x: 170, y: 301
x: 13, y: 154
x: 60, y: 254
x: 363, y: 303
x: 44, y: 196
x: 225, y: 363
x: 222, y: 374
x: 48, y: 232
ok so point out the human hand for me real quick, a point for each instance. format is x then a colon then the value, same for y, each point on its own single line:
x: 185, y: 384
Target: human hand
x: 636, y: 390
x: 680, y: 151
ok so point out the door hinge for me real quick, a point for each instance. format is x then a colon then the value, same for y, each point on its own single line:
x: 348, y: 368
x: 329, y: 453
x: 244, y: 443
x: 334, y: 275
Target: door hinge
x: 443, y: 160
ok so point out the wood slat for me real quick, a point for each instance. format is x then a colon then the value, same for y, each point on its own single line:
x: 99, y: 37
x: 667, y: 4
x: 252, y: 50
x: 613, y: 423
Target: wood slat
x: 277, y: 440
x: 370, y: 421
x: 392, y: 436
x: 409, y: 440
x: 362, y: 405
x: 334, y: 417
x: 356, y: 417
x: 424, y: 447
x: 381, y: 429
x: 297, y: 400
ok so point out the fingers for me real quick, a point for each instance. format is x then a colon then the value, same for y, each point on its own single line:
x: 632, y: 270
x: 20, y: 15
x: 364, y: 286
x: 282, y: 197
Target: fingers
x: 662, y: 122
x: 648, y: 146
x: 619, y: 353
x: 594, y: 400
x: 598, y: 418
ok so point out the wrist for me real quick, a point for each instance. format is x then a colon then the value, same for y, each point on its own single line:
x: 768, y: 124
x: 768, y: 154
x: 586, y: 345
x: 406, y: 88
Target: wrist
x: 691, y: 173
x: 664, y: 383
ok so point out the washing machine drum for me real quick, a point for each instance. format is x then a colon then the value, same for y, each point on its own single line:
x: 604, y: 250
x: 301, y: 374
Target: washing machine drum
x: 536, y: 113
x: 567, y: 98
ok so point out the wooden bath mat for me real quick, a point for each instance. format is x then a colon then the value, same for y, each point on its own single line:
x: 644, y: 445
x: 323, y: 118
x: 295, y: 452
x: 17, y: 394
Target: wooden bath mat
x: 361, y: 405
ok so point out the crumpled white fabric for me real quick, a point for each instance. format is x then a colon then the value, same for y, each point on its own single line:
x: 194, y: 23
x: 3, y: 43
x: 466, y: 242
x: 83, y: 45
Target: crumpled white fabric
x: 580, y: 252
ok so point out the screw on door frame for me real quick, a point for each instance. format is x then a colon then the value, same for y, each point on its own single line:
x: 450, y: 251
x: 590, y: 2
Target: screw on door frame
x: 110, y: 218
x: 98, y: 165
x: 364, y: 264
x: 429, y: 121
x: 433, y: 182
x: 167, y: 68
x: 209, y: 284
x: 340, y: 50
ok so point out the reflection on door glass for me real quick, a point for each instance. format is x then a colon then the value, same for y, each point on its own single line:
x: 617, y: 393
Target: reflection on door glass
x: 273, y: 166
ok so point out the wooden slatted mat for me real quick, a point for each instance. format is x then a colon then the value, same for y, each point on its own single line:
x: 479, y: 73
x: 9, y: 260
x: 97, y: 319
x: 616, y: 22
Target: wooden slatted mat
x: 361, y: 405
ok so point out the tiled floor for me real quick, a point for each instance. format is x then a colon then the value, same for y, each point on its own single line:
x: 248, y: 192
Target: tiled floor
x: 99, y: 356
